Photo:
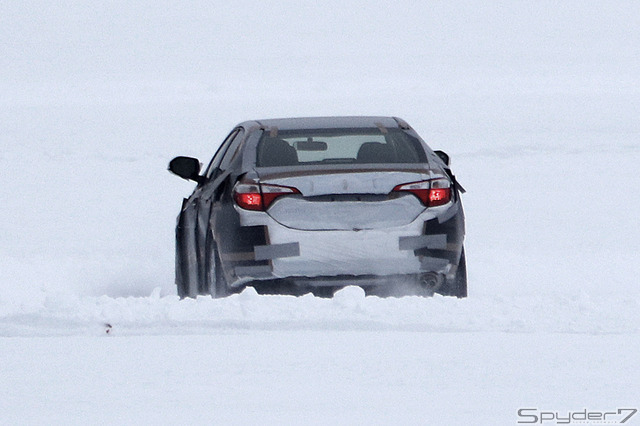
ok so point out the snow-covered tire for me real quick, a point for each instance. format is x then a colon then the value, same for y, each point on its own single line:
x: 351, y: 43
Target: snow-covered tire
x: 215, y: 281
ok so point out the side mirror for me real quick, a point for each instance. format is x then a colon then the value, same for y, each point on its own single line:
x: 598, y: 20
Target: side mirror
x: 186, y: 167
x: 443, y: 156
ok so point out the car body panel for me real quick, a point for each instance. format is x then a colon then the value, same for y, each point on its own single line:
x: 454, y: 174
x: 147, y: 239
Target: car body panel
x: 357, y: 212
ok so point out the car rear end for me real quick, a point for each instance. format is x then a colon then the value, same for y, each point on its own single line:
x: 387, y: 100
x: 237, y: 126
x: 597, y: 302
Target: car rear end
x: 362, y: 205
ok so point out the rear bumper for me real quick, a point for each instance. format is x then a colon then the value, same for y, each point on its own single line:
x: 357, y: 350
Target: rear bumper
x: 430, y: 243
x: 327, y: 253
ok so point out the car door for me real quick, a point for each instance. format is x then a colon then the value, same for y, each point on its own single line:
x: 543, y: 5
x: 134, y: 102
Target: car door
x: 191, y: 232
x: 210, y: 202
x: 209, y: 198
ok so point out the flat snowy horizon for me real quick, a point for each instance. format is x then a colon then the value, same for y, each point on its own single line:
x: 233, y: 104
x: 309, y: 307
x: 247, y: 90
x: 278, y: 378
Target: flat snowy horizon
x: 537, y: 104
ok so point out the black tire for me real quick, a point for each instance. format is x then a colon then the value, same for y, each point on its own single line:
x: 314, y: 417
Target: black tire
x: 458, y: 285
x: 182, y: 293
x: 215, y: 282
x: 179, y: 277
x: 185, y: 272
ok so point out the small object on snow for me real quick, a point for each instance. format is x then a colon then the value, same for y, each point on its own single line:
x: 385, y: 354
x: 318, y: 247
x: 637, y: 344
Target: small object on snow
x: 108, y: 330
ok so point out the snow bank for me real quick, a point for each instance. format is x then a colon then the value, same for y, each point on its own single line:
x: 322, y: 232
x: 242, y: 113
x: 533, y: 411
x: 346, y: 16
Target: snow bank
x: 348, y: 310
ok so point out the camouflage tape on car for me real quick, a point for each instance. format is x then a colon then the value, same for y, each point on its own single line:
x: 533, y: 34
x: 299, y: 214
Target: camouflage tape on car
x: 449, y: 213
x: 275, y: 251
x: 253, y: 271
x: 438, y: 241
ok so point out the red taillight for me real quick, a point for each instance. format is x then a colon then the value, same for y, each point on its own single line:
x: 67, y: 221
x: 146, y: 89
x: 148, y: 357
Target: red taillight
x: 251, y: 201
x: 259, y: 196
x: 439, y: 196
x: 434, y: 192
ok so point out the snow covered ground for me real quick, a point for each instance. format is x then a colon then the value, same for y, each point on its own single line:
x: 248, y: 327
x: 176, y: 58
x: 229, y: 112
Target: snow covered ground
x: 537, y: 103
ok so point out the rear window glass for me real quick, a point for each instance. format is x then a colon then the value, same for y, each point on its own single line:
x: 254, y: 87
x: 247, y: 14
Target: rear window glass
x: 338, y: 146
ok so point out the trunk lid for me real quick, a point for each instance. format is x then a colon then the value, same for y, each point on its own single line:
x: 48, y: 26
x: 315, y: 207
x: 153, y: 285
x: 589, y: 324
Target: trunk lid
x: 345, y: 200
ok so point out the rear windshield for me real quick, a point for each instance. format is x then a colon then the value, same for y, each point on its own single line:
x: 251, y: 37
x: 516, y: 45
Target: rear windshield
x: 338, y: 146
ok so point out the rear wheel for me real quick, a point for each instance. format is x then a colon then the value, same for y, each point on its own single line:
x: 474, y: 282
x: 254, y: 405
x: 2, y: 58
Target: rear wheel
x: 457, y: 286
x: 214, y: 276
x: 186, y: 269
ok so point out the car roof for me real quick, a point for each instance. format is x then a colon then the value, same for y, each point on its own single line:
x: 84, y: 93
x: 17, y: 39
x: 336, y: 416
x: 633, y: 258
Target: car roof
x: 300, y: 123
